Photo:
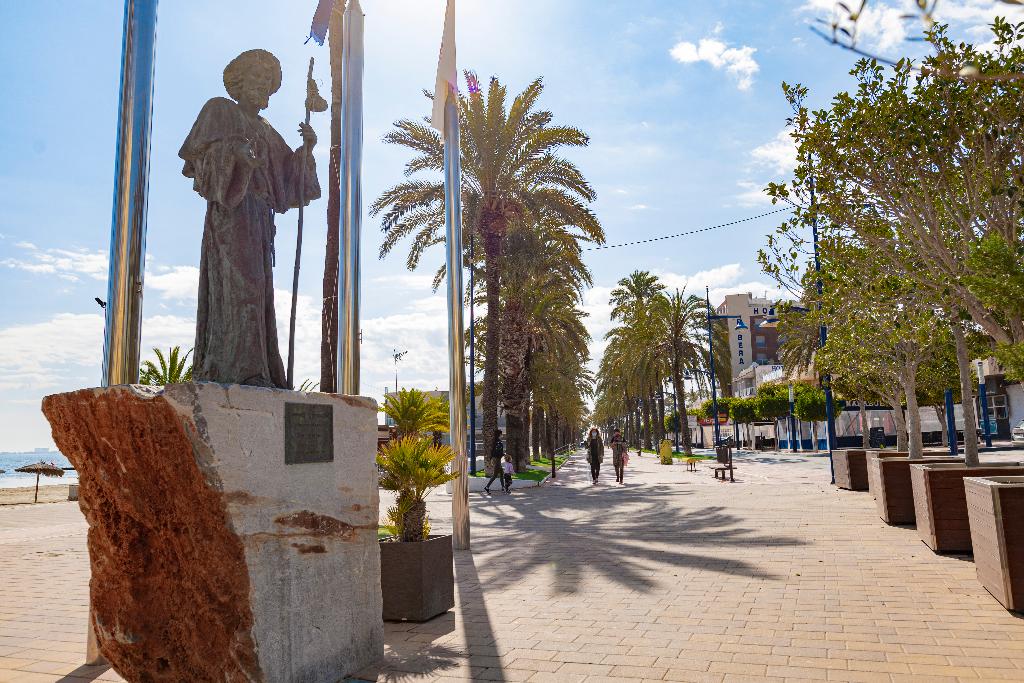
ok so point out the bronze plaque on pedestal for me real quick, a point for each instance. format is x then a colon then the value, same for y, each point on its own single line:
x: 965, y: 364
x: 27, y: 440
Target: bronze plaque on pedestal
x: 308, y: 433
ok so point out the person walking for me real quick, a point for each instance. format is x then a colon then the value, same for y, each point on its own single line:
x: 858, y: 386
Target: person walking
x: 506, y: 480
x: 620, y: 455
x: 497, y: 457
x: 595, y: 453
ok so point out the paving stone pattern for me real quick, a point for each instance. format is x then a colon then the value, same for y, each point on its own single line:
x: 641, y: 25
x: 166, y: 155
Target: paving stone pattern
x: 673, y: 576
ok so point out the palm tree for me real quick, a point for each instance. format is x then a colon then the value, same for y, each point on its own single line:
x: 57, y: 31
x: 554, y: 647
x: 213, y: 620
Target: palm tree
x: 416, y: 413
x: 682, y: 318
x: 541, y: 312
x: 172, y: 368
x: 412, y: 466
x: 511, y: 173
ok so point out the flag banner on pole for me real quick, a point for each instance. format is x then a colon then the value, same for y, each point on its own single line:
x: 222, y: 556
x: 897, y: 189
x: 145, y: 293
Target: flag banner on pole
x: 321, y: 18
x: 447, y: 74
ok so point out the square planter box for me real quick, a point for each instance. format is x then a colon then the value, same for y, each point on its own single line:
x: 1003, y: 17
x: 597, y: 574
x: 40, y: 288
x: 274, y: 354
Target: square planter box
x: 876, y: 454
x: 889, y: 478
x: 995, y: 507
x: 851, y: 469
x: 417, y: 579
x: 940, y: 502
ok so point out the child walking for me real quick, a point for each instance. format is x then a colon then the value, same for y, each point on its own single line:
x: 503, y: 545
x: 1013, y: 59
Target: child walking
x: 506, y: 479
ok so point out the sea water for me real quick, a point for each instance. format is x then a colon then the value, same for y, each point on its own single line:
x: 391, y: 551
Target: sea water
x: 11, y: 461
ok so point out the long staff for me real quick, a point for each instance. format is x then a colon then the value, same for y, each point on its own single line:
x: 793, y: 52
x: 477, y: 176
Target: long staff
x: 313, y: 103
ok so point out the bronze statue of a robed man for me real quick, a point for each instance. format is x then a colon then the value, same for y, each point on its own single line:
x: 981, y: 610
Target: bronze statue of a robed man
x: 246, y: 173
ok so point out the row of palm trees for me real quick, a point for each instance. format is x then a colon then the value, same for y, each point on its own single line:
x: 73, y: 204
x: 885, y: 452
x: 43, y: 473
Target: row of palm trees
x: 660, y: 337
x: 526, y: 219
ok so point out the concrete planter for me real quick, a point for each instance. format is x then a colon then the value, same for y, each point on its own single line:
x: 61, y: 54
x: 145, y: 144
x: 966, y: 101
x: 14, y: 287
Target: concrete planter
x: 940, y: 502
x: 851, y: 469
x: 995, y: 508
x: 416, y: 579
x: 889, y: 481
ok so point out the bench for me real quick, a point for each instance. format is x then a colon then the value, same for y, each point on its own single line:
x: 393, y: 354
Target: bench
x: 723, y: 454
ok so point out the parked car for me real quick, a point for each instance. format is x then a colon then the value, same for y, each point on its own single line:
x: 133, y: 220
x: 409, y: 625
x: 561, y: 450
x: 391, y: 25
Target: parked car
x: 1017, y: 433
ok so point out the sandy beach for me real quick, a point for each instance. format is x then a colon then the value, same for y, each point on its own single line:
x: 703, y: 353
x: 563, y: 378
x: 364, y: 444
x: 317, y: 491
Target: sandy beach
x: 48, y: 493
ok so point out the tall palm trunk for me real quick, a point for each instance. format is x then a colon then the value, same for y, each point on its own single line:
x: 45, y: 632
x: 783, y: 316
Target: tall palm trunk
x: 536, y: 420
x: 513, y: 365
x: 659, y: 427
x: 329, y: 312
x: 492, y: 229
x: 646, y: 407
x: 683, y: 418
x: 963, y: 362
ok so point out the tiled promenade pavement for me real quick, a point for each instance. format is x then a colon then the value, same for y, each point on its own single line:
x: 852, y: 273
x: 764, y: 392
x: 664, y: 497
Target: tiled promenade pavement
x: 673, y: 576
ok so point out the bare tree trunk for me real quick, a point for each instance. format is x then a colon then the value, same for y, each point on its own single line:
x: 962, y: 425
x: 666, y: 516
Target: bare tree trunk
x: 865, y: 431
x: 901, y: 426
x: 329, y: 311
x: 915, y: 439
x: 940, y: 414
x: 963, y: 362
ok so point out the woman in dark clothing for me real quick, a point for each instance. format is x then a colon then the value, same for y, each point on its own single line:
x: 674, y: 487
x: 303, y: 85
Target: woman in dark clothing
x: 595, y: 453
x: 619, y: 451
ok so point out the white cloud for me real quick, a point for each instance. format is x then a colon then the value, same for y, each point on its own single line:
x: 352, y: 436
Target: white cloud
x: 738, y: 62
x: 67, y: 264
x: 639, y: 207
x: 778, y: 154
x: 751, y: 193
x: 177, y: 283
x: 52, y: 354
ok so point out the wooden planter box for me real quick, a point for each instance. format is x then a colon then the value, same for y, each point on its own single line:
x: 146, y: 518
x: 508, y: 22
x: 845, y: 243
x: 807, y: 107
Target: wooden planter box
x: 417, y: 580
x: 851, y: 469
x: 889, y: 479
x: 940, y: 502
x: 873, y: 484
x: 995, y: 507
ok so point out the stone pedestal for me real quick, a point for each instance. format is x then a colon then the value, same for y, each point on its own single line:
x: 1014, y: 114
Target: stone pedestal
x: 218, y: 553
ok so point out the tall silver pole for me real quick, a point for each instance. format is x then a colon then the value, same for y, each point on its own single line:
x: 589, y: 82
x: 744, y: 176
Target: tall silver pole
x: 351, y: 196
x: 122, y: 336
x: 123, y: 328
x: 456, y: 342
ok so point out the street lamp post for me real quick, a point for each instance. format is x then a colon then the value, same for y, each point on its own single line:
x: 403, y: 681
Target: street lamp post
x: 983, y: 400
x: 951, y: 423
x: 792, y: 421
x: 740, y: 325
x: 823, y: 338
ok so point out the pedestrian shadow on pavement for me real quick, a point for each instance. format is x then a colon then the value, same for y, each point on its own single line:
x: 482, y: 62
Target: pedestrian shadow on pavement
x: 86, y: 672
x: 620, y: 533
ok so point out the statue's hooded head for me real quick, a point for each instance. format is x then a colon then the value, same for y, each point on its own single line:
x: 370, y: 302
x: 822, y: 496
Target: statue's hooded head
x: 252, y: 77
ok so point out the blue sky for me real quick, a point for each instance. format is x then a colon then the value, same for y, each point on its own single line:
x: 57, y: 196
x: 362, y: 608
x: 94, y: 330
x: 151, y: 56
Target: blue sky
x: 681, y: 99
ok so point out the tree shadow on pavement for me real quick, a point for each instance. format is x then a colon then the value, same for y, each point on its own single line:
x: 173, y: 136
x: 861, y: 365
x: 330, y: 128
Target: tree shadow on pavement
x: 619, y: 532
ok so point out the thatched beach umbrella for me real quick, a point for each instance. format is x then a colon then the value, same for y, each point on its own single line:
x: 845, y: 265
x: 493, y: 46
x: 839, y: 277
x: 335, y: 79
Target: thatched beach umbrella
x: 39, y: 468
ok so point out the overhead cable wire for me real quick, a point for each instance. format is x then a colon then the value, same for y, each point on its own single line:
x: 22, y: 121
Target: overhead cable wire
x: 690, y: 232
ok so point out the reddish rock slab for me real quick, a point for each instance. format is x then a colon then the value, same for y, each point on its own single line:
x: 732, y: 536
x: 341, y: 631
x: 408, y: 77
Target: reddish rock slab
x: 215, y: 556
x: 158, y: 527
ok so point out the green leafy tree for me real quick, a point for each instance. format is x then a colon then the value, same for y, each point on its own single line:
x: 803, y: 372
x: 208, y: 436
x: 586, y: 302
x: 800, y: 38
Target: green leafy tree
x: 173, y: 368
x: 772, y: 402
x: 809, y: 406
x: 743, y: 411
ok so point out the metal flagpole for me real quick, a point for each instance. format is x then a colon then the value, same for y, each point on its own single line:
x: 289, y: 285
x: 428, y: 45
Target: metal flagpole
x: 351, y: 198
x: 456, y: 343
x: 123, y: 327
x: 472, y: 361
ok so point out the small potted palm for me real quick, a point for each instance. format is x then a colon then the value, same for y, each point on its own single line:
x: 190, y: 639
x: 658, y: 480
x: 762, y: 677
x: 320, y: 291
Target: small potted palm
x: 417, y: 581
